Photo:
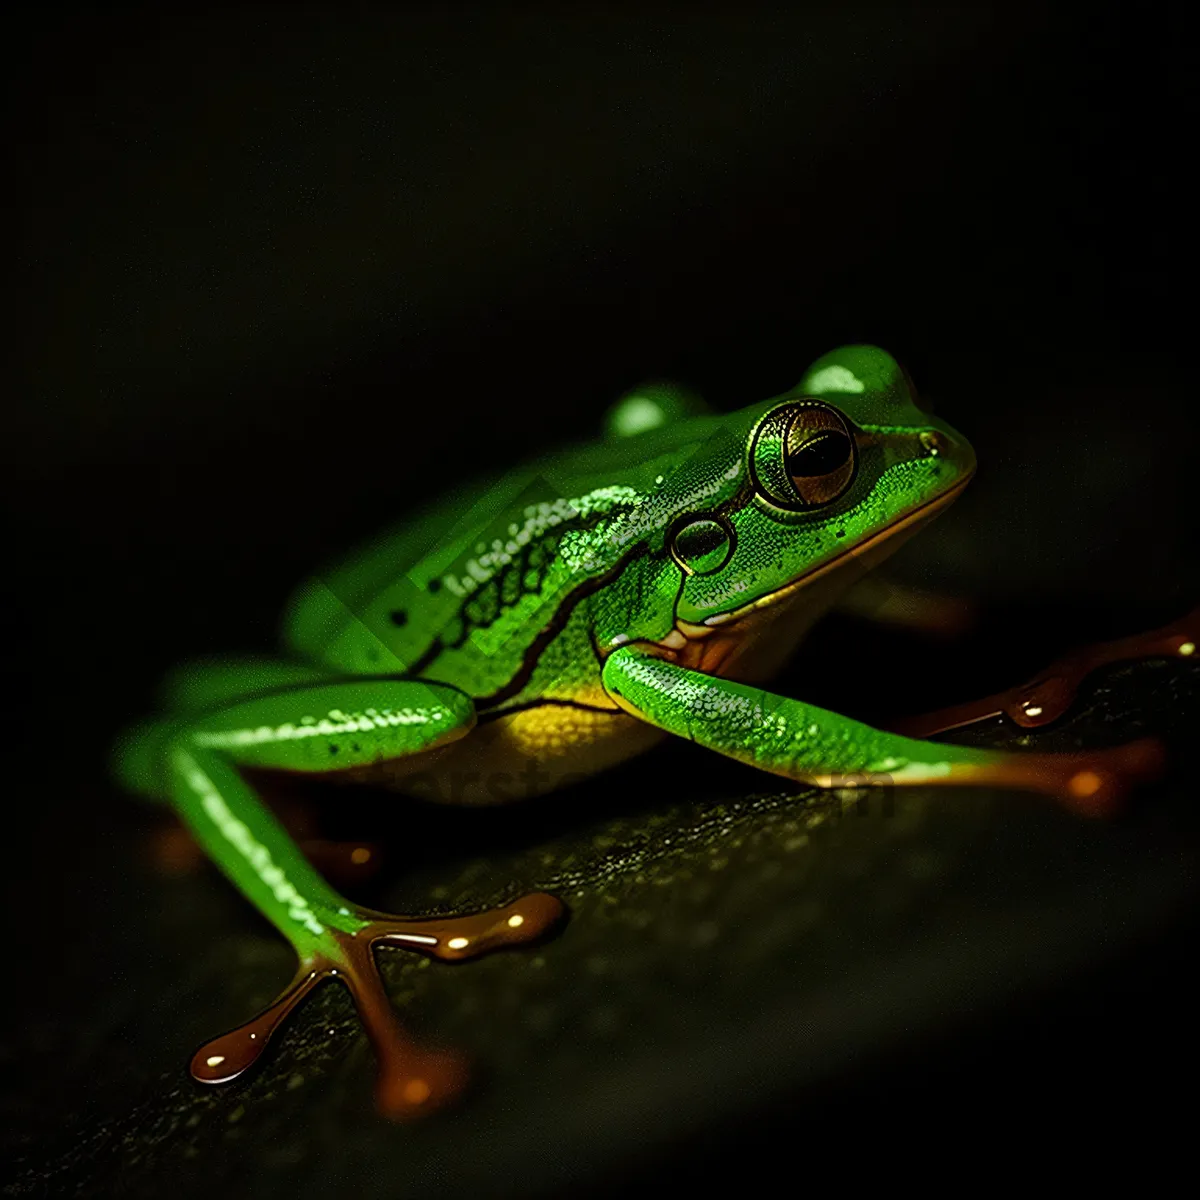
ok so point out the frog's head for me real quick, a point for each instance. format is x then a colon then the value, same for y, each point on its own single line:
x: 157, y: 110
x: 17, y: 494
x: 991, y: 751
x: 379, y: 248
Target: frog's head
x: 839, y: 470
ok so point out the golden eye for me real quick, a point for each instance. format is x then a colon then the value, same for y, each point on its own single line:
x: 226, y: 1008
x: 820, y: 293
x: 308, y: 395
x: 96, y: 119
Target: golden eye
x: 803, y: 455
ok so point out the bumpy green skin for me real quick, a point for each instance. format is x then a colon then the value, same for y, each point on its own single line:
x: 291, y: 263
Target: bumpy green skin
x: 555, y: 584
x: 783, y: 736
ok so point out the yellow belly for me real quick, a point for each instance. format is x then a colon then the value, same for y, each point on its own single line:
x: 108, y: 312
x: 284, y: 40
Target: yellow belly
x: 516, y: 757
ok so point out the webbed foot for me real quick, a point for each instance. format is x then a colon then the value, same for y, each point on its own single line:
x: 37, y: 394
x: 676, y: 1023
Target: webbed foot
x: 413, y: 1079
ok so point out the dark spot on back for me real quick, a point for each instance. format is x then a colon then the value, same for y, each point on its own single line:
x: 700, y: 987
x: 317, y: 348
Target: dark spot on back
x: 399, y: 617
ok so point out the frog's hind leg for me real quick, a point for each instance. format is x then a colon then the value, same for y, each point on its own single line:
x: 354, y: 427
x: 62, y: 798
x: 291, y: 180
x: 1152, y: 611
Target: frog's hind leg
x: 314, y: 729
x: 191, y: 688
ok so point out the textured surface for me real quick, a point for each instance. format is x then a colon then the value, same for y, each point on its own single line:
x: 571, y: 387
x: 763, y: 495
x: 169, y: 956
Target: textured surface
x: 725, y: 949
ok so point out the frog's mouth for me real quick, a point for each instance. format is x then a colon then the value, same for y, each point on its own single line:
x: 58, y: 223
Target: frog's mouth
x: 867, y: 554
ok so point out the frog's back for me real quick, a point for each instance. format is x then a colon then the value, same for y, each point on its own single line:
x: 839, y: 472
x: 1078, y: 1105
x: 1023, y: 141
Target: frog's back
x: 460, y: 592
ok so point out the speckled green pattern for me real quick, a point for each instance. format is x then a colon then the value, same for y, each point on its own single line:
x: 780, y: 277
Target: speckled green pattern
x: 462, y: 593
x: 330, y: 726
x: 777, y: 734
x: 513, y: 593
x: 510, y: 598
x: 251, y: 847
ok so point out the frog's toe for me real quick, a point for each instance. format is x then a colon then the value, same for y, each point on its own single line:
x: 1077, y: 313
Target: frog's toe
x: 421, y: 1082
x: 1091, y: 783
x: 1097, y: 784
x: 415, y: 1079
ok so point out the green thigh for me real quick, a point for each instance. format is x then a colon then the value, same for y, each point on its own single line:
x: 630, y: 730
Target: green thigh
x: 196, y: 761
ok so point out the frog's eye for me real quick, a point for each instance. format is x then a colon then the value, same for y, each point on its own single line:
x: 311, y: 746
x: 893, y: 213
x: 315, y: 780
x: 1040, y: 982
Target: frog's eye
x: 802, y: 456
x: 701, y: 545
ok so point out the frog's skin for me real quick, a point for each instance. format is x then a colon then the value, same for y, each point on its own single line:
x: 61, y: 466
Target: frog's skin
x: 558, y: 620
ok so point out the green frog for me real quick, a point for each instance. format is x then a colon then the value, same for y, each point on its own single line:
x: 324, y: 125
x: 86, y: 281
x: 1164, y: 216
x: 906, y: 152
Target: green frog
x: 551, y: 622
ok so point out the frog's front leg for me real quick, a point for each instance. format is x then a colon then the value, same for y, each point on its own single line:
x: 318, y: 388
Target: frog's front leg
x: 315, y: 729
x: 800, y: 741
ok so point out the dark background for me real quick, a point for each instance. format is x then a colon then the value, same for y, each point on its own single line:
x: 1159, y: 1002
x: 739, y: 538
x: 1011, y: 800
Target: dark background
x: 283, y: 275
